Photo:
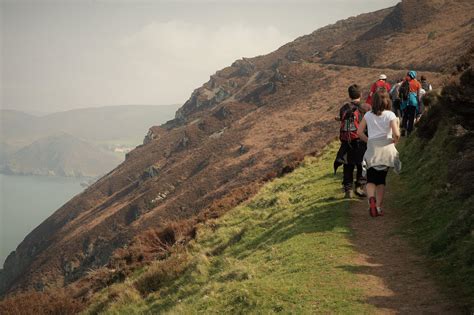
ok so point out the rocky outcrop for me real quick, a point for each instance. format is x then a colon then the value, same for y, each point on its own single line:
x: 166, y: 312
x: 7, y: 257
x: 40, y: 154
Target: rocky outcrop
x: 151, y: 172
x: 151, y: 135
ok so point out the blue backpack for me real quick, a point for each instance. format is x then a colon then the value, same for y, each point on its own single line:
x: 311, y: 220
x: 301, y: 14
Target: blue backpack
x: 413, y: 99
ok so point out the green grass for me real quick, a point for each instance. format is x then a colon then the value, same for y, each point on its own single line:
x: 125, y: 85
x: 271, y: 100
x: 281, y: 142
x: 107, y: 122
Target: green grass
x: 286, y: 250
x: 434, y: 216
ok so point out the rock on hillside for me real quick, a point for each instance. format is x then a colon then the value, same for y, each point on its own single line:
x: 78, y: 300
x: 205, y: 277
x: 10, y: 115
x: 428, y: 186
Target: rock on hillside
x: 252, y: 121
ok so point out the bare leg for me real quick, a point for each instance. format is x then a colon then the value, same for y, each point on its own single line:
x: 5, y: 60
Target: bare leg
x: 380, y: 190
x: 370, y: 189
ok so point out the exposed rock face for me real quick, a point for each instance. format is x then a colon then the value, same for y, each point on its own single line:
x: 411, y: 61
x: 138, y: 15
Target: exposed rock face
x: 250, y: 122
x: 151, y: 135
x: 151, y: 172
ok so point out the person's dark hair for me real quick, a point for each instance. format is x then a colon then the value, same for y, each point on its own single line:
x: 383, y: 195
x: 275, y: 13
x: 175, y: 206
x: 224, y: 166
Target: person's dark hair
x: 423, y: 78
x: 381, y: 102
x: 354, y: 91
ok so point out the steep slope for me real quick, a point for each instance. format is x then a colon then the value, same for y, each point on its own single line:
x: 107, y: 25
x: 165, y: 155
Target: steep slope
x: 439, y: 168
x: 413, y: 35
x: 60, y: 155
x: 250, y: 122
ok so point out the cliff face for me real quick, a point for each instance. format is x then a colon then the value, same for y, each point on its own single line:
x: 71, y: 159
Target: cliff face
x: 250, y: 122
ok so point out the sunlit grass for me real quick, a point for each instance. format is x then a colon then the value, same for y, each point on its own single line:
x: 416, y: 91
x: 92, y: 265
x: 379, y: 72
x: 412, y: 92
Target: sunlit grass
x: 283, y: 251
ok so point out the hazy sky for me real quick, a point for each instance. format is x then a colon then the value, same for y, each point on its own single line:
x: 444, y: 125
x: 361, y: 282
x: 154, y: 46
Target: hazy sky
x: 58, y: 55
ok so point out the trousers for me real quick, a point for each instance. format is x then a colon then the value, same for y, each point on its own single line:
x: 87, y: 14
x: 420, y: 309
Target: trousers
x: 408, y: 121
x: 348, y: 176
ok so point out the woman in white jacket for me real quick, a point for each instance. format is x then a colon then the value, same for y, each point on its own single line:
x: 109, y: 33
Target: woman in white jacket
x: 383, y: 132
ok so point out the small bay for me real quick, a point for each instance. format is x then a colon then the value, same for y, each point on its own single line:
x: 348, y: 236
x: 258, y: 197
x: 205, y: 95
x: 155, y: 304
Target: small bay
x: 26, y: 201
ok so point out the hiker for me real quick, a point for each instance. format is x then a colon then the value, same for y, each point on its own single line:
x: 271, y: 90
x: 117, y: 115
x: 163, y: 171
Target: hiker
x: 421, y: 106
x: 425, y: 88
x: 395, y: 96
x: 352, y: 150
x: 409, y: 93
x: 380, y: 84
x: 383, y: 134
x: 425, y: 85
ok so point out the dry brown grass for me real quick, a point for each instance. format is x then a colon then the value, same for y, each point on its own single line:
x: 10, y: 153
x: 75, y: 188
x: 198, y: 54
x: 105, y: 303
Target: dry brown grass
x: 52, y: 302
x: 163, y: 271
x: 152, y: 244
x: 149, y: 246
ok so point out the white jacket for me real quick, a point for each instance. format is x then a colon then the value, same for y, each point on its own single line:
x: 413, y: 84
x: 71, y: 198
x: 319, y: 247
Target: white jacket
x: 382, y: 152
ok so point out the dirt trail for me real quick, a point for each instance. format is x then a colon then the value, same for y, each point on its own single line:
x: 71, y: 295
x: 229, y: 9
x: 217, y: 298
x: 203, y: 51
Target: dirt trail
x: 392, y: 274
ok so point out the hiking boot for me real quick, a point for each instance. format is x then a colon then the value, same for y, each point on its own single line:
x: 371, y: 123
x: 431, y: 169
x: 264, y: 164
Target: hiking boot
x: 379, y: 212
x: 360, y: 192
x: 348, y: 194
x: 372, y: 207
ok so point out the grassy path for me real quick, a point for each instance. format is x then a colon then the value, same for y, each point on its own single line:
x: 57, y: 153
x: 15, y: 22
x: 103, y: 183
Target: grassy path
x: 297, y: 247
x: 287, y: 250
x: 394, y: 277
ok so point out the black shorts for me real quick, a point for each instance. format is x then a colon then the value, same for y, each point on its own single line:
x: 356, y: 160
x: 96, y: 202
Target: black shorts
x: 376, y: 177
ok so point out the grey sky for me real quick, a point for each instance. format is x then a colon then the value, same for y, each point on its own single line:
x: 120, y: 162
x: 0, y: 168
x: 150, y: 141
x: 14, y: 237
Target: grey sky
x: 58, y: 55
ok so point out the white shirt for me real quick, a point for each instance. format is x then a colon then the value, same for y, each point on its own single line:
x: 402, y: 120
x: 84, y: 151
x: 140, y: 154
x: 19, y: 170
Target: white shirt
x: 379, y: 126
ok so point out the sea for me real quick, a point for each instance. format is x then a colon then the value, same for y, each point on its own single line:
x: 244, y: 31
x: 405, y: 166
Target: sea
x: 26, y: 201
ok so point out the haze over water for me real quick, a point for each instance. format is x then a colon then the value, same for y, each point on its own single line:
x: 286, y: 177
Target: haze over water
x: 26, y: 201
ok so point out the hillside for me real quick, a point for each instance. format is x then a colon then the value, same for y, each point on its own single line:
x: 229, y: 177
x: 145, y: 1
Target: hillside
x: 5, y: 151
x: 19, y: 123
x: 251, y: 122
x: 60, y: 155
x: 127, y: 124
x: 100, y: 138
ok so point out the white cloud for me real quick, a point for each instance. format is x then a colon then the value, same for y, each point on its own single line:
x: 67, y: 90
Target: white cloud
x: 177, y: 56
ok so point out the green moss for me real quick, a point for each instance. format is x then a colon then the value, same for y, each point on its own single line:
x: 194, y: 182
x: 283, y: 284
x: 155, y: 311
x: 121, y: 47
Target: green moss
x: 286, y: 250
x: 435, y: 217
